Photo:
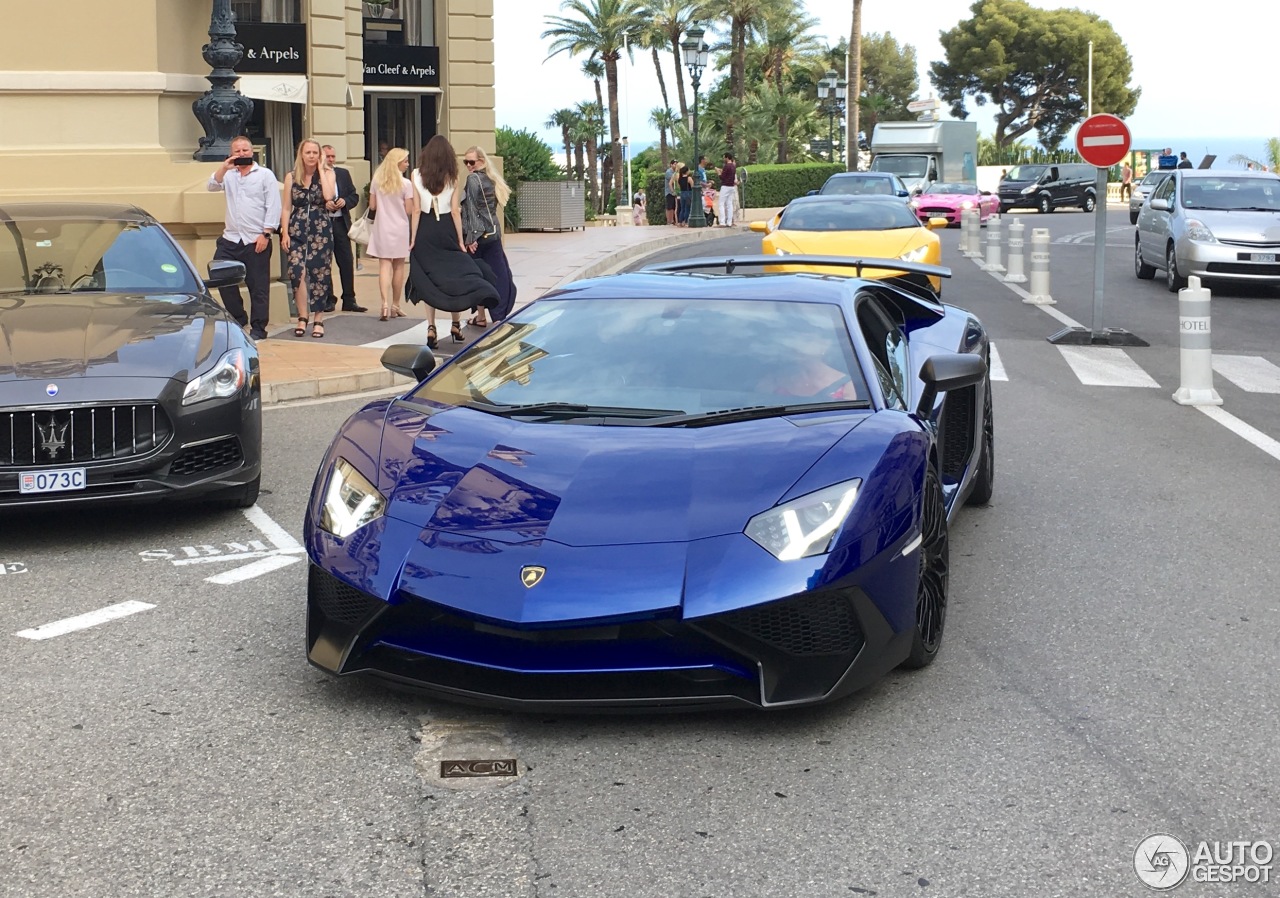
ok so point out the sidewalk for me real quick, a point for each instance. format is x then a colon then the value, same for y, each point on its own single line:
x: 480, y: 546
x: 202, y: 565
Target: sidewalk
x: 347, y: 360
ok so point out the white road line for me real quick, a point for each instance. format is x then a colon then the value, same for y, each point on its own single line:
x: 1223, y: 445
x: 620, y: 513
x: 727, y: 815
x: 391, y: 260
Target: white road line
x: 239, y: 556
x: 271, y: 530
x: 1251, y: 373
x: 1105, y: 366
x: 1241, y: 429
x: 249, y: 571
x: 997, y: 366
x: 84, y: 621
x: 1051, y: 311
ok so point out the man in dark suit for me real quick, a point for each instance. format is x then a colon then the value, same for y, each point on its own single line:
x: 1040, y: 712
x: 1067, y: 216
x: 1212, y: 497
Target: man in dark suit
x: 340, y: 216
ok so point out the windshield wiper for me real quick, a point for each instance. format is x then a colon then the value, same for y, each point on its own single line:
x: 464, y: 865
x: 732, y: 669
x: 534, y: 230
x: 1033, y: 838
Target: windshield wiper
x: 571, y: 410
x: 751, y: 412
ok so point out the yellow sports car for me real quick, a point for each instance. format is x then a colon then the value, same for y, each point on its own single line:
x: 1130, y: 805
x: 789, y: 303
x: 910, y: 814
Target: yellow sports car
x: 869, y: 226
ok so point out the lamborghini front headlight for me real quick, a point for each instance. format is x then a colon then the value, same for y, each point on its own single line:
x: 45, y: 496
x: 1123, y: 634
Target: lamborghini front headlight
x: 915, y: 255
x: 805, y: 526
x: 350, y: 501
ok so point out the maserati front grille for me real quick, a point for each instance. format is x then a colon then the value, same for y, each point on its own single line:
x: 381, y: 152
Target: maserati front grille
x: 60, y: 436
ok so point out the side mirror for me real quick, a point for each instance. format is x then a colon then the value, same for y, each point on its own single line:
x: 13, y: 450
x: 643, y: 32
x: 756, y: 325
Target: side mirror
x: 224, y: 273
x: 1161, y: 205
x: 409, y: 359
x: 948, y: 371
x: 812, y: 193
x: 759, y: 227
x: 903, y: 193
x: 937, y: 223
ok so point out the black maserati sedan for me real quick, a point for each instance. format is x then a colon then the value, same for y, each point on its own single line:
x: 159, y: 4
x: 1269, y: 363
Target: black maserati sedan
x: 121, y: 378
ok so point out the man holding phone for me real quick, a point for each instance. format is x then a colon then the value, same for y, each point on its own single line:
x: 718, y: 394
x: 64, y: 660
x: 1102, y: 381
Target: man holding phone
x: 340, y: 219
x: 253, y: 215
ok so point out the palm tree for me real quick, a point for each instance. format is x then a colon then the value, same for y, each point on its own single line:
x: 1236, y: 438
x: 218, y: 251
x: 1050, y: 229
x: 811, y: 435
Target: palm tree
x: 855, y: 84
x: 593, y: 68
x: 671, y: 18
x: 664, y: 120
x: 653, y: 40
x: 744, y: 18
x: 602, y: 28
x: 787, y: 33
x: 790, y: 114
x: 729, y: 115
x: 589, y: 118
x: 564, y: 120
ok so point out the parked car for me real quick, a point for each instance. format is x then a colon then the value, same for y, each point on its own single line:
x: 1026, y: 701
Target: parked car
x: 1046, y: 187
x: 1211, y: 224
x: 872, y: 227
x: 658, y: 489
x: 121, y: 380
x: 948, y: 199
x: 863, y: 183
x: 1143, y: 189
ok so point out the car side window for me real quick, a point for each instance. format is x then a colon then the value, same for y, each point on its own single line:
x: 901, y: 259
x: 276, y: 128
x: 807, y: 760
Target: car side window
x: 882, y: 330
x: 1165, y: 190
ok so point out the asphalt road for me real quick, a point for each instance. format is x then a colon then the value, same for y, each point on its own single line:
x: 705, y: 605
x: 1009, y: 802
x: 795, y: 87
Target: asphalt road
x: 1109, y: 672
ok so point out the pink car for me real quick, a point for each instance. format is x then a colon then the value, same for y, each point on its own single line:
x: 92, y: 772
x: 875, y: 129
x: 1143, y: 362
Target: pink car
x: 947, y: 199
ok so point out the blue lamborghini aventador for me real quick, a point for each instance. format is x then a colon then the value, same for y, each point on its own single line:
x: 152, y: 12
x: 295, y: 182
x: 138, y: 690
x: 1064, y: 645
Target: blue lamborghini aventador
x: 685, y: 486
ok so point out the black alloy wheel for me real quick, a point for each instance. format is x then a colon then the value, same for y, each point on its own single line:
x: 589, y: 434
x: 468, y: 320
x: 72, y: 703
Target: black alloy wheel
x: 931, y: 592
x: 1045, y: 206
x: 984, y: 478
x: 1089, y: 203
x: 1172, y: 279
x: 1141, y: 269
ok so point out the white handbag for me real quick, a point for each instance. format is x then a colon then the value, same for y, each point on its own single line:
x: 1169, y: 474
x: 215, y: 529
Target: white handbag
x: 359, y: 231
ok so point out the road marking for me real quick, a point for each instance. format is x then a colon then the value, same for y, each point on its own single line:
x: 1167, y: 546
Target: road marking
x: 84, y: 621
x: 1083, y: 237
x: 280, y: 537
x: 13, y: 567
x: 1051, y: 311
x: 1251, y: 373
x: 249, y: 571
x: 284, y: 542
x: 1105, y: 366
x: 1241, y: 429
x: 997, y: 366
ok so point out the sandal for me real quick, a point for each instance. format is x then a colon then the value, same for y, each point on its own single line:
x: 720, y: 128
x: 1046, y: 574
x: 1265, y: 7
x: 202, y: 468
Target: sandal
x: 456, y: 332
x: 432, y: 340
x: 386, y: 313
x: 397, y: 313
x: 301, y: 329
x: 317, y: 330
x: 477, y: 320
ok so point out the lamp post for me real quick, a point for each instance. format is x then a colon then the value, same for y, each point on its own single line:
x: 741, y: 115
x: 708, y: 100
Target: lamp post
x: 831, y: 91
x: 222, y: 110
x: 626, y: 161
x: 696, y: 54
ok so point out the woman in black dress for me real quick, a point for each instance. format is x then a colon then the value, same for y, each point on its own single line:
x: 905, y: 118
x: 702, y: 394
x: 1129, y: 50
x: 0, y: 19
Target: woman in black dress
x: 483, y: 197
x: 441, y: 273
x: 306, y: 234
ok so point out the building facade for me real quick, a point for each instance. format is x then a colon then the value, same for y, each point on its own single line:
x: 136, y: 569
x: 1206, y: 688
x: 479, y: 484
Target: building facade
x: 97, y: 105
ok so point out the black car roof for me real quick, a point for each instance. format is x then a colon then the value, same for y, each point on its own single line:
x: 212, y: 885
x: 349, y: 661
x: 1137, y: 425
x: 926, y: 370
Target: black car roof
x: 847, y: 198
x: 100, y: 211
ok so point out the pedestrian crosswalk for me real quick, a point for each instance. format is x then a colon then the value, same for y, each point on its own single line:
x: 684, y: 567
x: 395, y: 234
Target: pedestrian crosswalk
x: 1112, y: 366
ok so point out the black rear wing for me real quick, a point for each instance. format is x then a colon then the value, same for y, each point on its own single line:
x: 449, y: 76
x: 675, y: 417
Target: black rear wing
x: 731, y: 263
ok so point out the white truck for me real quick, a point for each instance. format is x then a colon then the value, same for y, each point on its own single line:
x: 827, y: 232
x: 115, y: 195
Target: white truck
x: 921, y: 153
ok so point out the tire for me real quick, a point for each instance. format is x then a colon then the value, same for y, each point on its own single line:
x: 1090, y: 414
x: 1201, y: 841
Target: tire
x: 240, y: 496
x: 931, y: 590
x: 984, y: 480
x: 1141, y: 269
x: 1004, y: 208
x: 1133, y: 217
x: 1172, y: 279
x: 1090, y: 203
x: 1045, y: 205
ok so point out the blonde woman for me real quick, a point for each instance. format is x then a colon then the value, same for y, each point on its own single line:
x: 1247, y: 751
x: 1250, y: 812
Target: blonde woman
x: 484, y: 196
x: 390, y: 195
x: 306, y: 234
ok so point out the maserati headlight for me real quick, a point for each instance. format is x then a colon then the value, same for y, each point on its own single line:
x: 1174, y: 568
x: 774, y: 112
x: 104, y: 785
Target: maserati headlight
x: 915, y: 255
x: 1199, y: 231
x: 350, y: 501
x: 804, y: 526
x: 227, y: 378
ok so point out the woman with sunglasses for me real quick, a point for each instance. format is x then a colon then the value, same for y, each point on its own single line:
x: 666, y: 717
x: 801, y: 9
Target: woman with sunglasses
x: 484, y: 195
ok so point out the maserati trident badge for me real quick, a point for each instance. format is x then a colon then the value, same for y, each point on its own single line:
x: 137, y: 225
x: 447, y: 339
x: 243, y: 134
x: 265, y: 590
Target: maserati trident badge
x: 52, y: 389
x: 531, y: 575
x: 53, y: 439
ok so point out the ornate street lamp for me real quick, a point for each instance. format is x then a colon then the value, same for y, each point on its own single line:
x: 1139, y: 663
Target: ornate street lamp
x: 832, y: 92
x: 696, y: 54
x: 223, y: 111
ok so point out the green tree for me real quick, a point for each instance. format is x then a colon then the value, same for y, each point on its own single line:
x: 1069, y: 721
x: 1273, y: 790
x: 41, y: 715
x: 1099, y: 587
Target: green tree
x: 668, y: 20
x: 525, y: 157
x: 599, y: 28
x: 744, y: 18
x: 664, y: 120
x: 1032, y: 65
x: 889, y: 80
x: 564, y: 119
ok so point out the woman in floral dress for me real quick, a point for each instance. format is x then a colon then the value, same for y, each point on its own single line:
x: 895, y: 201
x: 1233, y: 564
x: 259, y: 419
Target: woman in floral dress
x: 307, y: 234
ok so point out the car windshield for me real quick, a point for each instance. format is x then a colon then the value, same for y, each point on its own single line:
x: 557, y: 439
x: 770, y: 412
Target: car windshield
x: 91, y: 255
x: 860, y: 215
x: 1153, y: 177
x: 650, y: 359
x: 903, y: 166
x: 1227, y: 193
x: 858, y: 186
x: 962, y: 188
x: 1026, y: 173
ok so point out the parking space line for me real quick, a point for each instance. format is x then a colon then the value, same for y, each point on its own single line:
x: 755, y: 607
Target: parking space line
x: 249, y: 571
x: 1243, y: 430
x: 279, y: 537
x: 84, y: 621
x: 1251, y: 373
x: 997, y: 366
x: 1105, y: 366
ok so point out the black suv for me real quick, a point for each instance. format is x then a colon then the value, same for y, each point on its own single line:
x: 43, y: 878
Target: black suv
x: 1048, y: 186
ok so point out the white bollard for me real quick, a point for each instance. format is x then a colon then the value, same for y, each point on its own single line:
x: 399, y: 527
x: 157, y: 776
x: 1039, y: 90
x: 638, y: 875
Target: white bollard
x: 1017, y: 264
x: 964, y: 232
x: 1039, y: 286
x: 970, y: 237
x: 1195, y: 353
x: 993, y: 245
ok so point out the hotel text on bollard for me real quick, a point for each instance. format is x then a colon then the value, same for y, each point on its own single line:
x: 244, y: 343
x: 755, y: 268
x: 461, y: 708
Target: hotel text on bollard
x: 1039, y: 286
x: 993, y: 246
x: 1195, y: 353
x: 1017, y: 264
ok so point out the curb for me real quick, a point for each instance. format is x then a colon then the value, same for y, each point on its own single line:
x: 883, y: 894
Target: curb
x: 615, y: 261
x: 324, y: 387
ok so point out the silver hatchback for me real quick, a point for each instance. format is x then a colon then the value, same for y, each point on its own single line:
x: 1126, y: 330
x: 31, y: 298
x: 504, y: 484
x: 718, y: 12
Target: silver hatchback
x: 1213, y: 225
x: 1143, y: 189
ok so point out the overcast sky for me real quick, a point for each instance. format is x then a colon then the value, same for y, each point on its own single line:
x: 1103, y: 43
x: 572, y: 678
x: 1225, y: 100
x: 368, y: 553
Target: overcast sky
x: 1208, y: 79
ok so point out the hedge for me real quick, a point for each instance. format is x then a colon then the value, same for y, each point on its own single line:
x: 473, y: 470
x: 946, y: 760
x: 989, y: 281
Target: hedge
x: 766, y: 186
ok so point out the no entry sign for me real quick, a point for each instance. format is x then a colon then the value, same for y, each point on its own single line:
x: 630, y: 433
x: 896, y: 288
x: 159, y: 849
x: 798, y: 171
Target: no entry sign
x: 1102, y: 140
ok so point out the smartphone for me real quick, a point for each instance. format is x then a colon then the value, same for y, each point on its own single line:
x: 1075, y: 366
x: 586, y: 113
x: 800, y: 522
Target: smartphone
x: 242, y: 160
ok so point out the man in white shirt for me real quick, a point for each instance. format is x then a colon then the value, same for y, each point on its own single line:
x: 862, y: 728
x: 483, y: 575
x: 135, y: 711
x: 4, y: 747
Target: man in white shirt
x: 253, y: 215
